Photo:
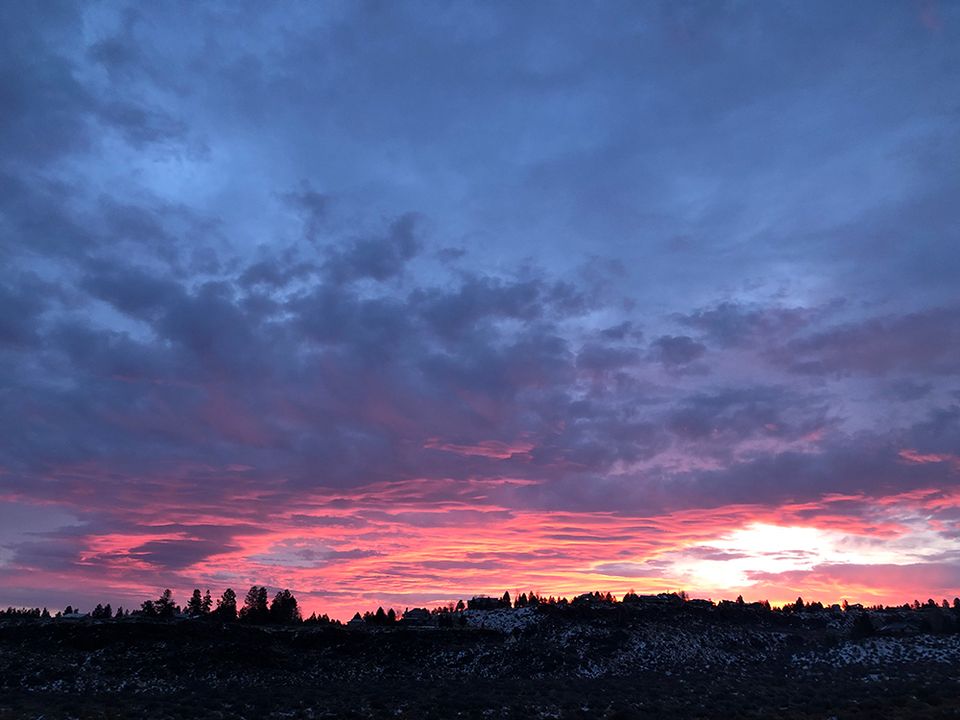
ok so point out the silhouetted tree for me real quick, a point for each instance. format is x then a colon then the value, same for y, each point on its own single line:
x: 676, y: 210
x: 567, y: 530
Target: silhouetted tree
x: 227, y: 606
x: 461, y: 606
x: 740, y: 600
x: 505, y: 600
x: 164, y: 605
x: 206, y: 605
x: 284, y: 609
x: 195, y: 604
x: 68, y: 610
x: 119, y: 612
x: 798, y: 605
x: 255, y: 608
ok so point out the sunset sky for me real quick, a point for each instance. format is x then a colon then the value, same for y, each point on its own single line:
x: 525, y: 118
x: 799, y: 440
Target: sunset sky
x: 395, y: 303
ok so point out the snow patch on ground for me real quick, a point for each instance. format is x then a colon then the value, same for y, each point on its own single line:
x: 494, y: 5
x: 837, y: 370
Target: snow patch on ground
x: 504, y: 620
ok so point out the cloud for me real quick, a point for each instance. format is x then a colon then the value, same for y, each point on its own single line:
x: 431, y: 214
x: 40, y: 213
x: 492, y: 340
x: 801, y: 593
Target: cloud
x: 926, y: 341
x: 732, y: 324
x: 301, y: 304
x: 376, y: 258
x: 677, y: 353
x: 178, y: 554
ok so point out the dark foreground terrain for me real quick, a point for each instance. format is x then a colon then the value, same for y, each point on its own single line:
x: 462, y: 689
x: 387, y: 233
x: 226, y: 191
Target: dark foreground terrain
x: 613, y: 662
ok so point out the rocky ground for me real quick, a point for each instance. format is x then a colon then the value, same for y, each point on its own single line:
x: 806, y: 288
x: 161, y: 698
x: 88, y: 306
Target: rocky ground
x: 603, y: 661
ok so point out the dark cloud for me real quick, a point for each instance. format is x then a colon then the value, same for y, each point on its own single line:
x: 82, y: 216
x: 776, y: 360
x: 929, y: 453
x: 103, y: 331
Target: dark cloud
x: 177, y: 554
x: 732, y: 324
x: 927, y: 342
x: 674, y: 351
x: 376, y: 258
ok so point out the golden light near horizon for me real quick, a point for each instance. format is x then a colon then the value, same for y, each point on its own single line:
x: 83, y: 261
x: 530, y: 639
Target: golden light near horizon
x: 737, y: 558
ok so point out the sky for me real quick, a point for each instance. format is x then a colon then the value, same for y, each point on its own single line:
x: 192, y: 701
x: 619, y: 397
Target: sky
x: 398, y: 303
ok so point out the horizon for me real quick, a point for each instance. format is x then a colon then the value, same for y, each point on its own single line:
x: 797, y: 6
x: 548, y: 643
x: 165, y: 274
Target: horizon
x: 135, y: 609
x: 388, y: 303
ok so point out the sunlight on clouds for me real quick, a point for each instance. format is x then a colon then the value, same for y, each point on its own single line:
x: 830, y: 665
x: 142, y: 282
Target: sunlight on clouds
x: 732, y: 560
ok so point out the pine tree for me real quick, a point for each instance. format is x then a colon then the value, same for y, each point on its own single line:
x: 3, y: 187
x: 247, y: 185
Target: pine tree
x: 195, y: 604
x: 255, y: 608
x: 206, y: 605
x: 284, y: 608
x: 164, y: 605
x: 227, y: 606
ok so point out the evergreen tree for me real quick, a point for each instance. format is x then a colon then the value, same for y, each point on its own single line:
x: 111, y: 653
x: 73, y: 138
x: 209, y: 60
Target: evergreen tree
x: 227, y: 606
x: 284, y: 608
x: 391, y: 616
x: 206, y: 605
x: 164, y: 605
x: 195, y: 604
x: 255, y: 608
x: 505, y: 600
x: 460, y: 606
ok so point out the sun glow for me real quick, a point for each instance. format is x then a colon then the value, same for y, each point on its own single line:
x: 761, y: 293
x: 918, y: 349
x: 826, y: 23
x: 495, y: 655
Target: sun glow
x: 743, y: 556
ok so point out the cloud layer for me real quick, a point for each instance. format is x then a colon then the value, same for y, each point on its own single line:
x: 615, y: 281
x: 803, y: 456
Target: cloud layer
x: 391, y: 306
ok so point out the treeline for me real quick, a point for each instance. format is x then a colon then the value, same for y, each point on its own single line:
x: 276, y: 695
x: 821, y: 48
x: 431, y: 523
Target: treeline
x: 283, y: 609
x: 257, y: 609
